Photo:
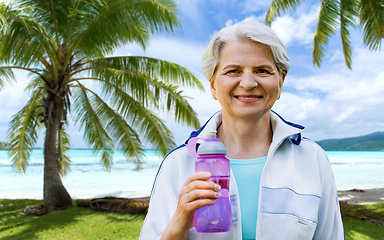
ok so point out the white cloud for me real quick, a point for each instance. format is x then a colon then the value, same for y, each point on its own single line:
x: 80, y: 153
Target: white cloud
x: 290, y: 28
x: 190, y: 9
x: 337, y: 102
x: 299, y: 29
x: 184, y: 53
x: 229, y: 23
x: 344, y: 115
x: 232, y: 22
x: 13, y: 97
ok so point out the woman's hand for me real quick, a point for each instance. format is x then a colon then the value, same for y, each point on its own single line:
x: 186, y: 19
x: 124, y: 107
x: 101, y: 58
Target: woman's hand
x: 194, y: 194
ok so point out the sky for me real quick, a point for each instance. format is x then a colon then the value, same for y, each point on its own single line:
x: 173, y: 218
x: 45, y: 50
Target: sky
x: 331, y: 101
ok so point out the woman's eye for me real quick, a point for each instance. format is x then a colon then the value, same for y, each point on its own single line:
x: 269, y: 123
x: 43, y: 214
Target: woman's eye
x: 263, y: 71
x: 232, y: 71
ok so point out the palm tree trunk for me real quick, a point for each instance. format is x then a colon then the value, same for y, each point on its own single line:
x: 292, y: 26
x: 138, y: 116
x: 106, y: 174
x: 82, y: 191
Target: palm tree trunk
x: 56, y: 196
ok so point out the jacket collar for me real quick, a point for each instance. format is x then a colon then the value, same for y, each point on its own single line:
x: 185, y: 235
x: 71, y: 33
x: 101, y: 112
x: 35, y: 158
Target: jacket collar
x: 280, y: 127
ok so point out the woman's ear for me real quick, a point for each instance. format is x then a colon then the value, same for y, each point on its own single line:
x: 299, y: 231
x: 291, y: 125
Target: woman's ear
x: 213, y: 88
x: 281, y: 82
x: 282, y: 78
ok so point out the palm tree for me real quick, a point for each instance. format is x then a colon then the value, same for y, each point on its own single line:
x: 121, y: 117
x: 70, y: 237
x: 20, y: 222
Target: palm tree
x: 63, y: 45
x: 3, y: 145
x: 340, y: 14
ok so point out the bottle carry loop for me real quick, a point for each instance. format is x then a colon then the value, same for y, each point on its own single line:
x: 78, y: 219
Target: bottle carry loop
x: 191, y: 147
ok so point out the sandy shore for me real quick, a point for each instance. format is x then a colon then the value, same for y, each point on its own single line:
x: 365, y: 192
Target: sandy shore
x: 362, y: 196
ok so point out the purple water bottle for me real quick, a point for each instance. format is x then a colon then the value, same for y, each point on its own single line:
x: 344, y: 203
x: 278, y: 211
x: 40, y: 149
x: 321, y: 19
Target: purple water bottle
x: 211, y: 158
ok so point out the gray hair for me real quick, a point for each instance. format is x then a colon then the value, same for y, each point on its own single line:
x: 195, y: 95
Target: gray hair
x: 247, y: 30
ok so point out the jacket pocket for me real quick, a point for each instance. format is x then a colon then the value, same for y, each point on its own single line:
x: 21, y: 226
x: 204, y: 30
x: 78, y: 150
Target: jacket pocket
x: 294, y: 214
x: 298, y: 228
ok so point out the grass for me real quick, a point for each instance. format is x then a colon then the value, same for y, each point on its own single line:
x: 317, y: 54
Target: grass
x: 360, y: 223
x: 363, y: 222
x: 76, y: 223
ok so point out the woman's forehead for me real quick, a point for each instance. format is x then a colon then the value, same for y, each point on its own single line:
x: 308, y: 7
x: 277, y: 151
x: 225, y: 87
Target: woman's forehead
x: 239, y: 51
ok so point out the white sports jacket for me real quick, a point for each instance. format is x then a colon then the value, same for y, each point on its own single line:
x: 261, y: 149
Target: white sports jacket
x: 297, y: 199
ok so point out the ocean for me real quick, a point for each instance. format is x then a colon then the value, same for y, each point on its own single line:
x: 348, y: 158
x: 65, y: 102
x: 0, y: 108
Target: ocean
x: 88, y: 179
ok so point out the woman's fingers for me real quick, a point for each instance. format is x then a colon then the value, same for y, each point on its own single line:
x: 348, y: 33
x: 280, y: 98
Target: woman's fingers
x: 198, y: 176
x: 197, y: 192
x: 203, y: 185
x: 200, y: 198
x: 199, y: 181
x: 197, y: 187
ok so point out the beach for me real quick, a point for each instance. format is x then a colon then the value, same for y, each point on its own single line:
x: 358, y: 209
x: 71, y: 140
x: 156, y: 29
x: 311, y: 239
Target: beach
x: 362, y: 196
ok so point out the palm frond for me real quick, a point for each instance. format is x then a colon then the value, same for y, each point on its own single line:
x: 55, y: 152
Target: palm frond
x: 26, y: 42
x: 156, y: 132
x: 6, y: 75
x: 175, y: 103
x: 134, y: 75
x: 139, y: 76
x: 63, y: 145
x: 280, y: 5
x: 372, y: 22
x: 120, y: 131
x: 146, y: 66
x: 326, y: 27
x: 35, y: 83
x: 348, y: 12
x: 3, y: 21
x: 171, y: 73
x: 150, y: 126
x: 131, y: 82
x: 54, y: 16
x: 88, y: 113
x: 107, y: 24
x: 22, y: 133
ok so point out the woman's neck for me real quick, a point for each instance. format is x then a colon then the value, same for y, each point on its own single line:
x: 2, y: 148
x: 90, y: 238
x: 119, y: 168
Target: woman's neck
x: 246, y: 138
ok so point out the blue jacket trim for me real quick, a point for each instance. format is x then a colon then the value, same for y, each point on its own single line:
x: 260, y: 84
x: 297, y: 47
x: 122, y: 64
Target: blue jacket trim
x: 296, y: 138
x: 196, y: 133
x: 161, y: 164
x: 289, y: 123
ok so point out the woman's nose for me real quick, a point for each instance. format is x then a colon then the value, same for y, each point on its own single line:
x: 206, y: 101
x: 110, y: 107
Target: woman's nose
x: 248, y: 81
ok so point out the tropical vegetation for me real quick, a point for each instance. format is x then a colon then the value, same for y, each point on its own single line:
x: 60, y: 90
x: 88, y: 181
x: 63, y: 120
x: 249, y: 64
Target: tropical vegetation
x: 3, y: 145
x: 67, y: 47
x: 368, y: 15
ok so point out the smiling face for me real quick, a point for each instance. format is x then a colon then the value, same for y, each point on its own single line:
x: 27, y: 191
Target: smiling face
x: 247, y: 82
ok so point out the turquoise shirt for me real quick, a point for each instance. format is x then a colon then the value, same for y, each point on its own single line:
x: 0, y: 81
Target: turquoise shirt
x: 247, y: 174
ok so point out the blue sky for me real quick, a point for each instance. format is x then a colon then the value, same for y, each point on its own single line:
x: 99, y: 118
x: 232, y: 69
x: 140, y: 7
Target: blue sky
x: 331, y: 101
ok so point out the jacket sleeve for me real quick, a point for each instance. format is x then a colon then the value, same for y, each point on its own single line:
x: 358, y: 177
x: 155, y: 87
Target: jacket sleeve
x: 330, y: 225
x: 164, y: 197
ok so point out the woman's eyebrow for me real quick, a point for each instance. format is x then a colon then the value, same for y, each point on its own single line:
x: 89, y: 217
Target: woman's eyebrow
x: 231, y: 66
x: 264, y: 66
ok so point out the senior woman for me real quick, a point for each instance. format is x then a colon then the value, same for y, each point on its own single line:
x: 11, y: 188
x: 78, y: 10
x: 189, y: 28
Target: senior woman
x: 281, y: 184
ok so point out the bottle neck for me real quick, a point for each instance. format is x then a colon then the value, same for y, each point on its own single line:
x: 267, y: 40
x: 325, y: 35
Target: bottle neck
x: 212, y: 156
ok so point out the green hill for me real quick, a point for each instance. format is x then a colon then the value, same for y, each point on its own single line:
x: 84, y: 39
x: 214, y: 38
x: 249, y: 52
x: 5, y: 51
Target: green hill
x: 370, y: 142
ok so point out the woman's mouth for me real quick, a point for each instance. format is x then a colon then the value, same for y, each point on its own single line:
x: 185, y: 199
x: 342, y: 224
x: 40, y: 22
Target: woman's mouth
x: 248, y: 98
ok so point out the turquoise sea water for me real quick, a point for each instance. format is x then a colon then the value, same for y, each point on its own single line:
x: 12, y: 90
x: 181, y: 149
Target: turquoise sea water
x: 88, y: 179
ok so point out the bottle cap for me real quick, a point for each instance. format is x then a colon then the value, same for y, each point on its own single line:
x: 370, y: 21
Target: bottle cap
x: 212, y: 145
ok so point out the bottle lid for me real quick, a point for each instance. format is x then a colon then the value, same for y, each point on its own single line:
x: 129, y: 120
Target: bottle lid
x: 212, y: 145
